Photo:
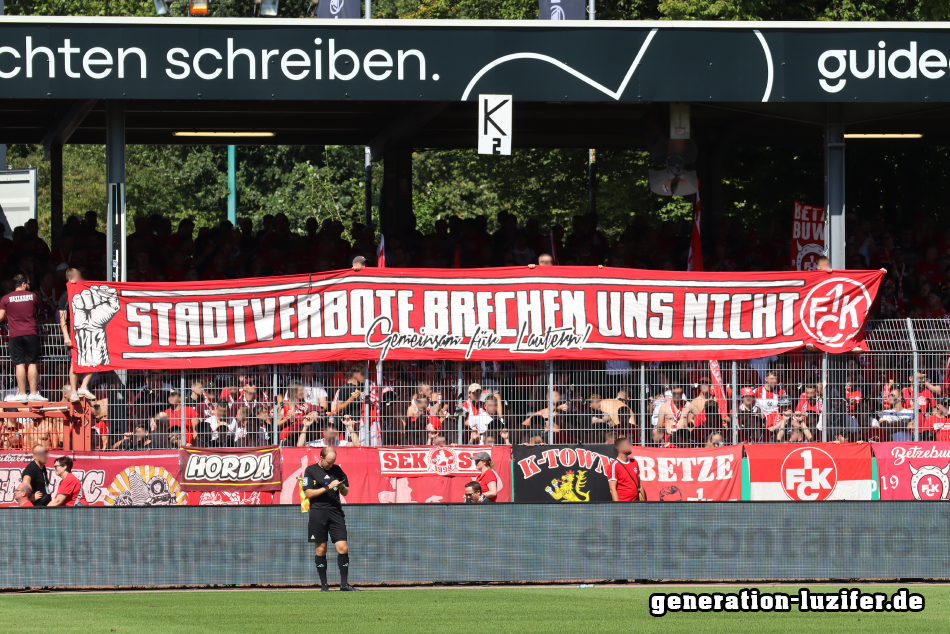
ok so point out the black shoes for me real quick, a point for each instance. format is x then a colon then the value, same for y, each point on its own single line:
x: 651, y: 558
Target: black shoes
x: 324, y: 588
x: 349, y: 588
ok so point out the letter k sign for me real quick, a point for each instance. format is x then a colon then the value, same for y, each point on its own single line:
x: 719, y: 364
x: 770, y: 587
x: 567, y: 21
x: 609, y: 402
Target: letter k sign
x: 494, y: 124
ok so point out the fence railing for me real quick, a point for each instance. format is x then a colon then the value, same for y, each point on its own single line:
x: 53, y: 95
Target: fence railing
x: 891, y: 392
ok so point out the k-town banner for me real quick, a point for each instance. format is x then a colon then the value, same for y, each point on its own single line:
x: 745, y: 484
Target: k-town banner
x: 690, y: 475
x: 913, y: 470
x: 479, y: 314
x: 562, y: 473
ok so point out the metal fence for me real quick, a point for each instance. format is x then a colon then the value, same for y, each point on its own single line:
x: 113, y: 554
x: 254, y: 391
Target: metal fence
x: 891, y: 392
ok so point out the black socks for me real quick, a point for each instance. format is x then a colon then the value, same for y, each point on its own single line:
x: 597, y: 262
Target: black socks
x: 344, y: 562
x: 321, y: 563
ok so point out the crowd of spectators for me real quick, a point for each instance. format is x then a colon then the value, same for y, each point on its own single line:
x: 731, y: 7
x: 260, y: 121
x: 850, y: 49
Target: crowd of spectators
x: 777, y: 399
x: 915, y: 254
x: 493, y: 403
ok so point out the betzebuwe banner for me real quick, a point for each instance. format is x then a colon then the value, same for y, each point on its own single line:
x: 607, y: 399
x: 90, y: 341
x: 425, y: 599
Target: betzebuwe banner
x: 690, y: 475
x: 479, y: 314
x: 913, y: 471
x: 562, y: 473
x: 230, y: 470
x: 389, y: 475
x: 808, y: 236
x: 135, y: 478
x: 812, y: 472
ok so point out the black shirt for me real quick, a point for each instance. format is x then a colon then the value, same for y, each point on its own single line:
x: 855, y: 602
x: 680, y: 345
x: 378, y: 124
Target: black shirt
x: 355, y: 408
x: 64, y: 306
x: 315, y: 477
x: 38, y: 480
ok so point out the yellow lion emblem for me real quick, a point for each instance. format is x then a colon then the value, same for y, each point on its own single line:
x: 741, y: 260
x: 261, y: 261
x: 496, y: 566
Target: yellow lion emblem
x: 566, y: 489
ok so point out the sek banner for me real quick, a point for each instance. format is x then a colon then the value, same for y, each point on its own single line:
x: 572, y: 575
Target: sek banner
x: 913, y: 471
x: 400, y: 474
x: 230, y: 470
x: 140, y: 478
x: 480, y: 314
x: 554, y: 473
x: 808, y: 236
x: 690, y: 475
x: 819, y: 471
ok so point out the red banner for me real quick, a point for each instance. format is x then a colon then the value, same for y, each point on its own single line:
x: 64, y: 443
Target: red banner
x: 230, y: 470
x: 390, y: 476
x: 690, y: 475
x: 913, y: 471
x: 808, y: 236
x: 817, y: 471
x: 482, y: 314
x: 142, y: 478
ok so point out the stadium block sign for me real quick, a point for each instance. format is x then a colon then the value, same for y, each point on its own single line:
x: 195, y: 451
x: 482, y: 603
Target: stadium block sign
x: 690, y: 475
x: 913, y: 471
x: 812, y: 472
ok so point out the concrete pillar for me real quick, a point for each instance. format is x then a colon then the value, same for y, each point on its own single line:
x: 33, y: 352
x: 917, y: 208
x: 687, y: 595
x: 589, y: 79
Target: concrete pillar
x: 834, y: 185
x: 397, y: 191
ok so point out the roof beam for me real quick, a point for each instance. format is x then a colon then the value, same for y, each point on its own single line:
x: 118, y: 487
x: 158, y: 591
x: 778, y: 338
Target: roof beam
x: 405, y: 127
x: 67, y: 124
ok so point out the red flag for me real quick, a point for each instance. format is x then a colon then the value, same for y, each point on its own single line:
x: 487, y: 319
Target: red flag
x: 695, y: 262
x: 718, y: 392
x: 381, y: 252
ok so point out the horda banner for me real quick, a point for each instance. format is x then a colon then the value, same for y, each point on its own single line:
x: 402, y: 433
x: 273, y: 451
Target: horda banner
x: 480, y: 314
x: 556, y: 473
x: 439, y: 60
x: 230, y: 470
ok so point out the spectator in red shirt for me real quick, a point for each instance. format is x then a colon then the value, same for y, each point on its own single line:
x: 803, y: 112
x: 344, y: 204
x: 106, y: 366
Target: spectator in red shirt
x: 940, y: 423
x: 177, y: 414
x: 624, y: 481
x: 487, y: 477
x: 767, y: 396
x: 70, y: 489
x: 936, y: 426
x: 810, y: 405
x: 926, y: 393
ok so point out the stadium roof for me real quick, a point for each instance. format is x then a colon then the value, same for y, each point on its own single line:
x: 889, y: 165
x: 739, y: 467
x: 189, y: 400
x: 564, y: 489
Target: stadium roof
x: 414, y: 83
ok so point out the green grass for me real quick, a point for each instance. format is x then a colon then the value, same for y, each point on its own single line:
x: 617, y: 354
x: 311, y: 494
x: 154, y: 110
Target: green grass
x: 434, y: 611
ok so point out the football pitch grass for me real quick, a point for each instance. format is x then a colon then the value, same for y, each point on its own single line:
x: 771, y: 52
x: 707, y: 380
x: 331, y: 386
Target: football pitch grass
x: 438, y: 611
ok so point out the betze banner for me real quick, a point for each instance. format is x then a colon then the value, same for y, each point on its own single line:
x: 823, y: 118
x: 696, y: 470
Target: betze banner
x: 510, y: 313
x: 690, y: 475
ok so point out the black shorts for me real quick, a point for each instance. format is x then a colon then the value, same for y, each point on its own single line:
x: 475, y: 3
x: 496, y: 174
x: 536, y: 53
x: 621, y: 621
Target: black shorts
x: 25, y: 350
x: 323, y: 521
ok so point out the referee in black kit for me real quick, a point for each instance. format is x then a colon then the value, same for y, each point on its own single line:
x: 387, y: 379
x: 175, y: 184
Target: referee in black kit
x: 323, y: 484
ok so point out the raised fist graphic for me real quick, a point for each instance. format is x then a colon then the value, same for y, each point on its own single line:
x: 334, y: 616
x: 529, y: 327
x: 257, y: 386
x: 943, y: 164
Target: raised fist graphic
x: 93, y: 308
